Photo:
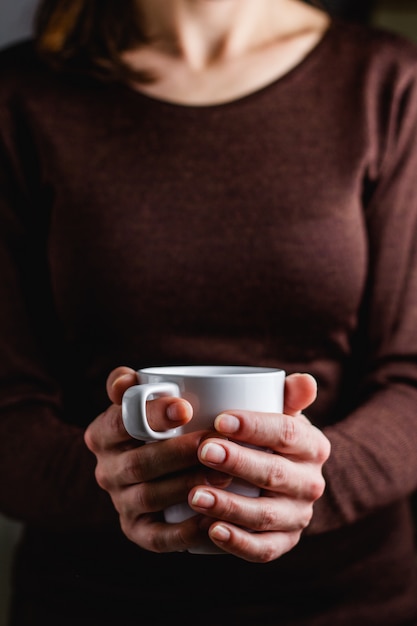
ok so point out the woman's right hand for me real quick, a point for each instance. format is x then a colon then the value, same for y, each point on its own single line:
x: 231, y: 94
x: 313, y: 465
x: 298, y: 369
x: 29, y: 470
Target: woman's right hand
x: 143, y: 480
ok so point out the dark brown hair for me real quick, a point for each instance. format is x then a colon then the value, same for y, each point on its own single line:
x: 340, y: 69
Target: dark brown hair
x: 89, y: 35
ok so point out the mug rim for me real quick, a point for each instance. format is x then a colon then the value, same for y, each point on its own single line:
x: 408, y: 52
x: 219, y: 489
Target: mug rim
x: 210, y: 371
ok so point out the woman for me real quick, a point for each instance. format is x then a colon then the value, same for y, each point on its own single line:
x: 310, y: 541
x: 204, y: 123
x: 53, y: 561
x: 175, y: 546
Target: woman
x: 209, y: 181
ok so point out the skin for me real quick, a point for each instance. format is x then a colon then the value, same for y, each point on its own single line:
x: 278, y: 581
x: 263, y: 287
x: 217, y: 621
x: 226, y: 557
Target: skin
x: 205, y: 52
x: 142, y: 480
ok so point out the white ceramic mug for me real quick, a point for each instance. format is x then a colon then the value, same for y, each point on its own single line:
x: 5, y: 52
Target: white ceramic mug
x: 211, y: 390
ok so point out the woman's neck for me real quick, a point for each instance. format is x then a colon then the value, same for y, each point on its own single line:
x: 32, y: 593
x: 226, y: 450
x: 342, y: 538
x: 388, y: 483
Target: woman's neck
x: 213, y: 51
x: 205, y: 32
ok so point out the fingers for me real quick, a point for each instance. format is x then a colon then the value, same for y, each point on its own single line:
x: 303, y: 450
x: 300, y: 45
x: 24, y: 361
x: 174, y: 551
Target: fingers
x: 291, y: 480
x: 290, y: 484
x: 253, y: 547
x: 118, y: 381
x: 293, y: 437
x: 260, y: 514
x: 153, y: 461
x: 125, y: 460
x: 154, y: 496
x: 163, y: 413
x: 271, y: 526
x: 144, y: 481
x: 300, y: 392
x: 107, y: 432
x: 166, y: 412
x: 152, y: 534
x: 162, y: 473
x: 270, y: 472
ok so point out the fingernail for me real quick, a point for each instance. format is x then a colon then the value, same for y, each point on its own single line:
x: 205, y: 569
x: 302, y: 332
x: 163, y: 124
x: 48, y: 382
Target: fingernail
x: 120, y: 379
x: 203, y: 499
x: 213, y: 453
x: 220, y: 533
x: 226, y: 423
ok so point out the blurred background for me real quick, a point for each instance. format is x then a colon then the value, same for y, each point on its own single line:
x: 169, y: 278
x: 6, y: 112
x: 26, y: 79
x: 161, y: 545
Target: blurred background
x: 397, y: 15
x: 15, y: 24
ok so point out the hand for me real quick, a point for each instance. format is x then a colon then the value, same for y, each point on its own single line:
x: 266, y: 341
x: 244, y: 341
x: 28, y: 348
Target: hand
x: 262, y: 529
x: 142, y: 480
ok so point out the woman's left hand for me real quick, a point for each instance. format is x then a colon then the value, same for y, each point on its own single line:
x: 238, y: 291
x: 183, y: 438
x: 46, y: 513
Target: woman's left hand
x: 262, y: 529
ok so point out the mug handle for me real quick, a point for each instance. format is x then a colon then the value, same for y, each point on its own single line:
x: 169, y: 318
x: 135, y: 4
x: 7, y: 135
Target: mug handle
x: 134, y: 410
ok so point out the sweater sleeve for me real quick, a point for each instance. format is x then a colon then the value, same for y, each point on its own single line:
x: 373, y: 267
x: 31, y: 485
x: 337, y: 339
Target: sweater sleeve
x: 47, y: 471
x: 374, y: 449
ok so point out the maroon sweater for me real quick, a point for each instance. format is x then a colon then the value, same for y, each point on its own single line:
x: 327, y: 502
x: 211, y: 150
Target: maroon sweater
x: 280, y: 230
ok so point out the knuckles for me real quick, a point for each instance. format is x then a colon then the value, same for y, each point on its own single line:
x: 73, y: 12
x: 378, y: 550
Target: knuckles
x: 106, y: 431
x: 289, y: 432
x: 277, y: 474
x: 317, y: 488
x: 102, y: 477
x: 89, y: 440
x: 134, y: 467
x: 270, y: 552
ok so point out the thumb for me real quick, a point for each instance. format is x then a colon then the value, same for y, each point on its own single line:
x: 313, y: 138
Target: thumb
x: 118, y: 381
x: 300, y: 392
